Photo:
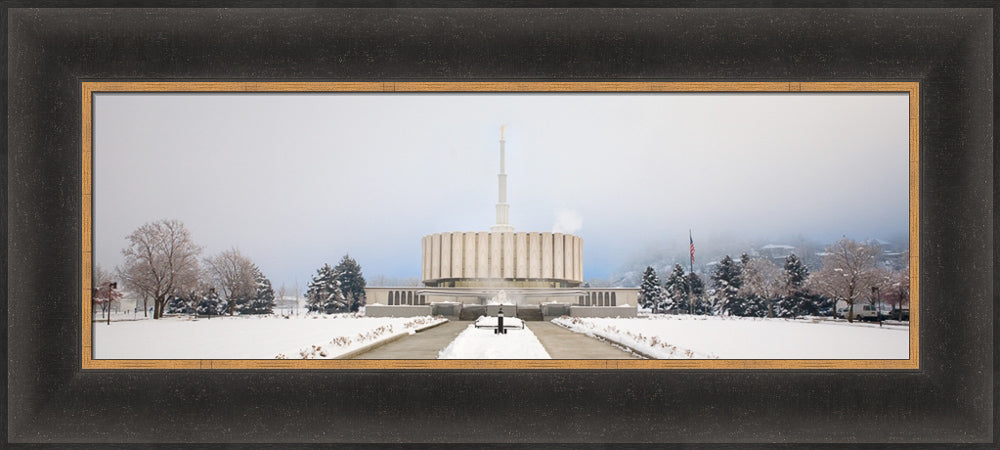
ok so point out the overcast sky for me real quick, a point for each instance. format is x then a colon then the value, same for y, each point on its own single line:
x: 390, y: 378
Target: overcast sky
x: 298, y: 180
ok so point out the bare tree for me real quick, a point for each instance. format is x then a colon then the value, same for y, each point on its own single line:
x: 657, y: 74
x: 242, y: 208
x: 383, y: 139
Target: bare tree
x: 296, y: 290
x: 122, y: 273
x: 881, y: 279
x: 280, y: 302
x: 161, y: 260
x: 235, y: 274
x: 104, y: 291
x: 898, y: 293
x: 763, y: 278
x: 101, y: 276
x: 849, y: 271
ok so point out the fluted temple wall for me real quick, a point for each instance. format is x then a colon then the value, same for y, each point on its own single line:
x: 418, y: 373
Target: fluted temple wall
x: 502, y: 256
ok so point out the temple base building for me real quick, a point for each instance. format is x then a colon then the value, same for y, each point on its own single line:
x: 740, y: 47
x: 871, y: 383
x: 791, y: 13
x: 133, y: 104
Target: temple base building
x: 538, y: 275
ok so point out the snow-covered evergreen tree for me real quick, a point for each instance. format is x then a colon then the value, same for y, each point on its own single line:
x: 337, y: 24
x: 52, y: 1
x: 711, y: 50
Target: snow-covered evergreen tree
x: 186, y: 301
x: 324, y: 293
x: 787, y: 306
x: 803, y: 303
x: 818, y: 304
x: 738, y: 306
x: 211, y: 304
x: 726, y: 278
x: 676, y: 291
x: 697, y: 303
x: 744, y: 259
x: 262, y: 301
x: 352, y: 282
x: 650, y: 291
x: 753, y: 305
x: 180, y: 305
x: 795, y: 301
x: 796, y: 273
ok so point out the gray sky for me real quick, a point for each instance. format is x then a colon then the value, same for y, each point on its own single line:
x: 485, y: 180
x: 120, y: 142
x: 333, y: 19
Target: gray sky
x: 298, y: 180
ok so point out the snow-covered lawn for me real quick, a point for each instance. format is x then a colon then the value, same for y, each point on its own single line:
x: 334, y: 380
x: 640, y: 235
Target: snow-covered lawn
x: 247, y: 337
x: 482, y: 343
x: 705, y: 337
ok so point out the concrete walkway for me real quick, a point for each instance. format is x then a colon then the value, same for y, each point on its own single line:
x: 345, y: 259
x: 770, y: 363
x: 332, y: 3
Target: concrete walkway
x: 559, y: 342
x: 423, y: 345
x: 565, y: 344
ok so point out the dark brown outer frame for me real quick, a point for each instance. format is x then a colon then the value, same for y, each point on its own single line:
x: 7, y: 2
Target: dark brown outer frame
x: 950, y: 52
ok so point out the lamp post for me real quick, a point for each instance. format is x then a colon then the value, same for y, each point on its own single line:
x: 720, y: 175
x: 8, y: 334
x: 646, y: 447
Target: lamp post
x: 111, y: 295
x: 94, y: 299
x: 499, y: 329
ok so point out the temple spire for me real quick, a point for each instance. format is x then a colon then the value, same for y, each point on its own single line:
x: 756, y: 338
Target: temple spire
x: 503, y: 209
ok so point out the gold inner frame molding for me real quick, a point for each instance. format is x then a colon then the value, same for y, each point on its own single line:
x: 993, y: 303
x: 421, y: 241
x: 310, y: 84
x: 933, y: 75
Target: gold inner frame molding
x: 88, y: 89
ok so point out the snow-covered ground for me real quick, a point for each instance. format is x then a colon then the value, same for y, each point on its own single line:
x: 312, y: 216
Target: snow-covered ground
x: 706, y: 337
x: 482, y: 343
x: 490, y: 321
x: 247, y: 337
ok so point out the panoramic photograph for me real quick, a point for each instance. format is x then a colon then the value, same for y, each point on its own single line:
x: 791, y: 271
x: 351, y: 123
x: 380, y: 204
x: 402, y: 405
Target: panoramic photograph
x: 501, y: 226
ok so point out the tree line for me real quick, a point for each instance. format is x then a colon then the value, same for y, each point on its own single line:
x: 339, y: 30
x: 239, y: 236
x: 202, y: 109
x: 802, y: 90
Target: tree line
x: 852, y: 272
x: 162, y: 264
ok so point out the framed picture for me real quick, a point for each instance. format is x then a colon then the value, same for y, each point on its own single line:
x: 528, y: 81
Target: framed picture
x: 156, y: 147
x: 940, y: 59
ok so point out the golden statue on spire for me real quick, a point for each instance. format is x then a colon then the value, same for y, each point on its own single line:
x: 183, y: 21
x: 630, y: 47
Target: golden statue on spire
x: 501, y: 131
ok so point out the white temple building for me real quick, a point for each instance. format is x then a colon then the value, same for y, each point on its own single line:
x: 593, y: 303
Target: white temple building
x: 539, y: 273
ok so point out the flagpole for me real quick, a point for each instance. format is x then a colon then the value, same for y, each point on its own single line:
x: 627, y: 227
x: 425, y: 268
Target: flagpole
x: 691, y: 288
x: 691, y: 240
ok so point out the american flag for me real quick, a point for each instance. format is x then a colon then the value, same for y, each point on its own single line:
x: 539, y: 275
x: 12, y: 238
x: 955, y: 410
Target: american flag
x: 692, y: 246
